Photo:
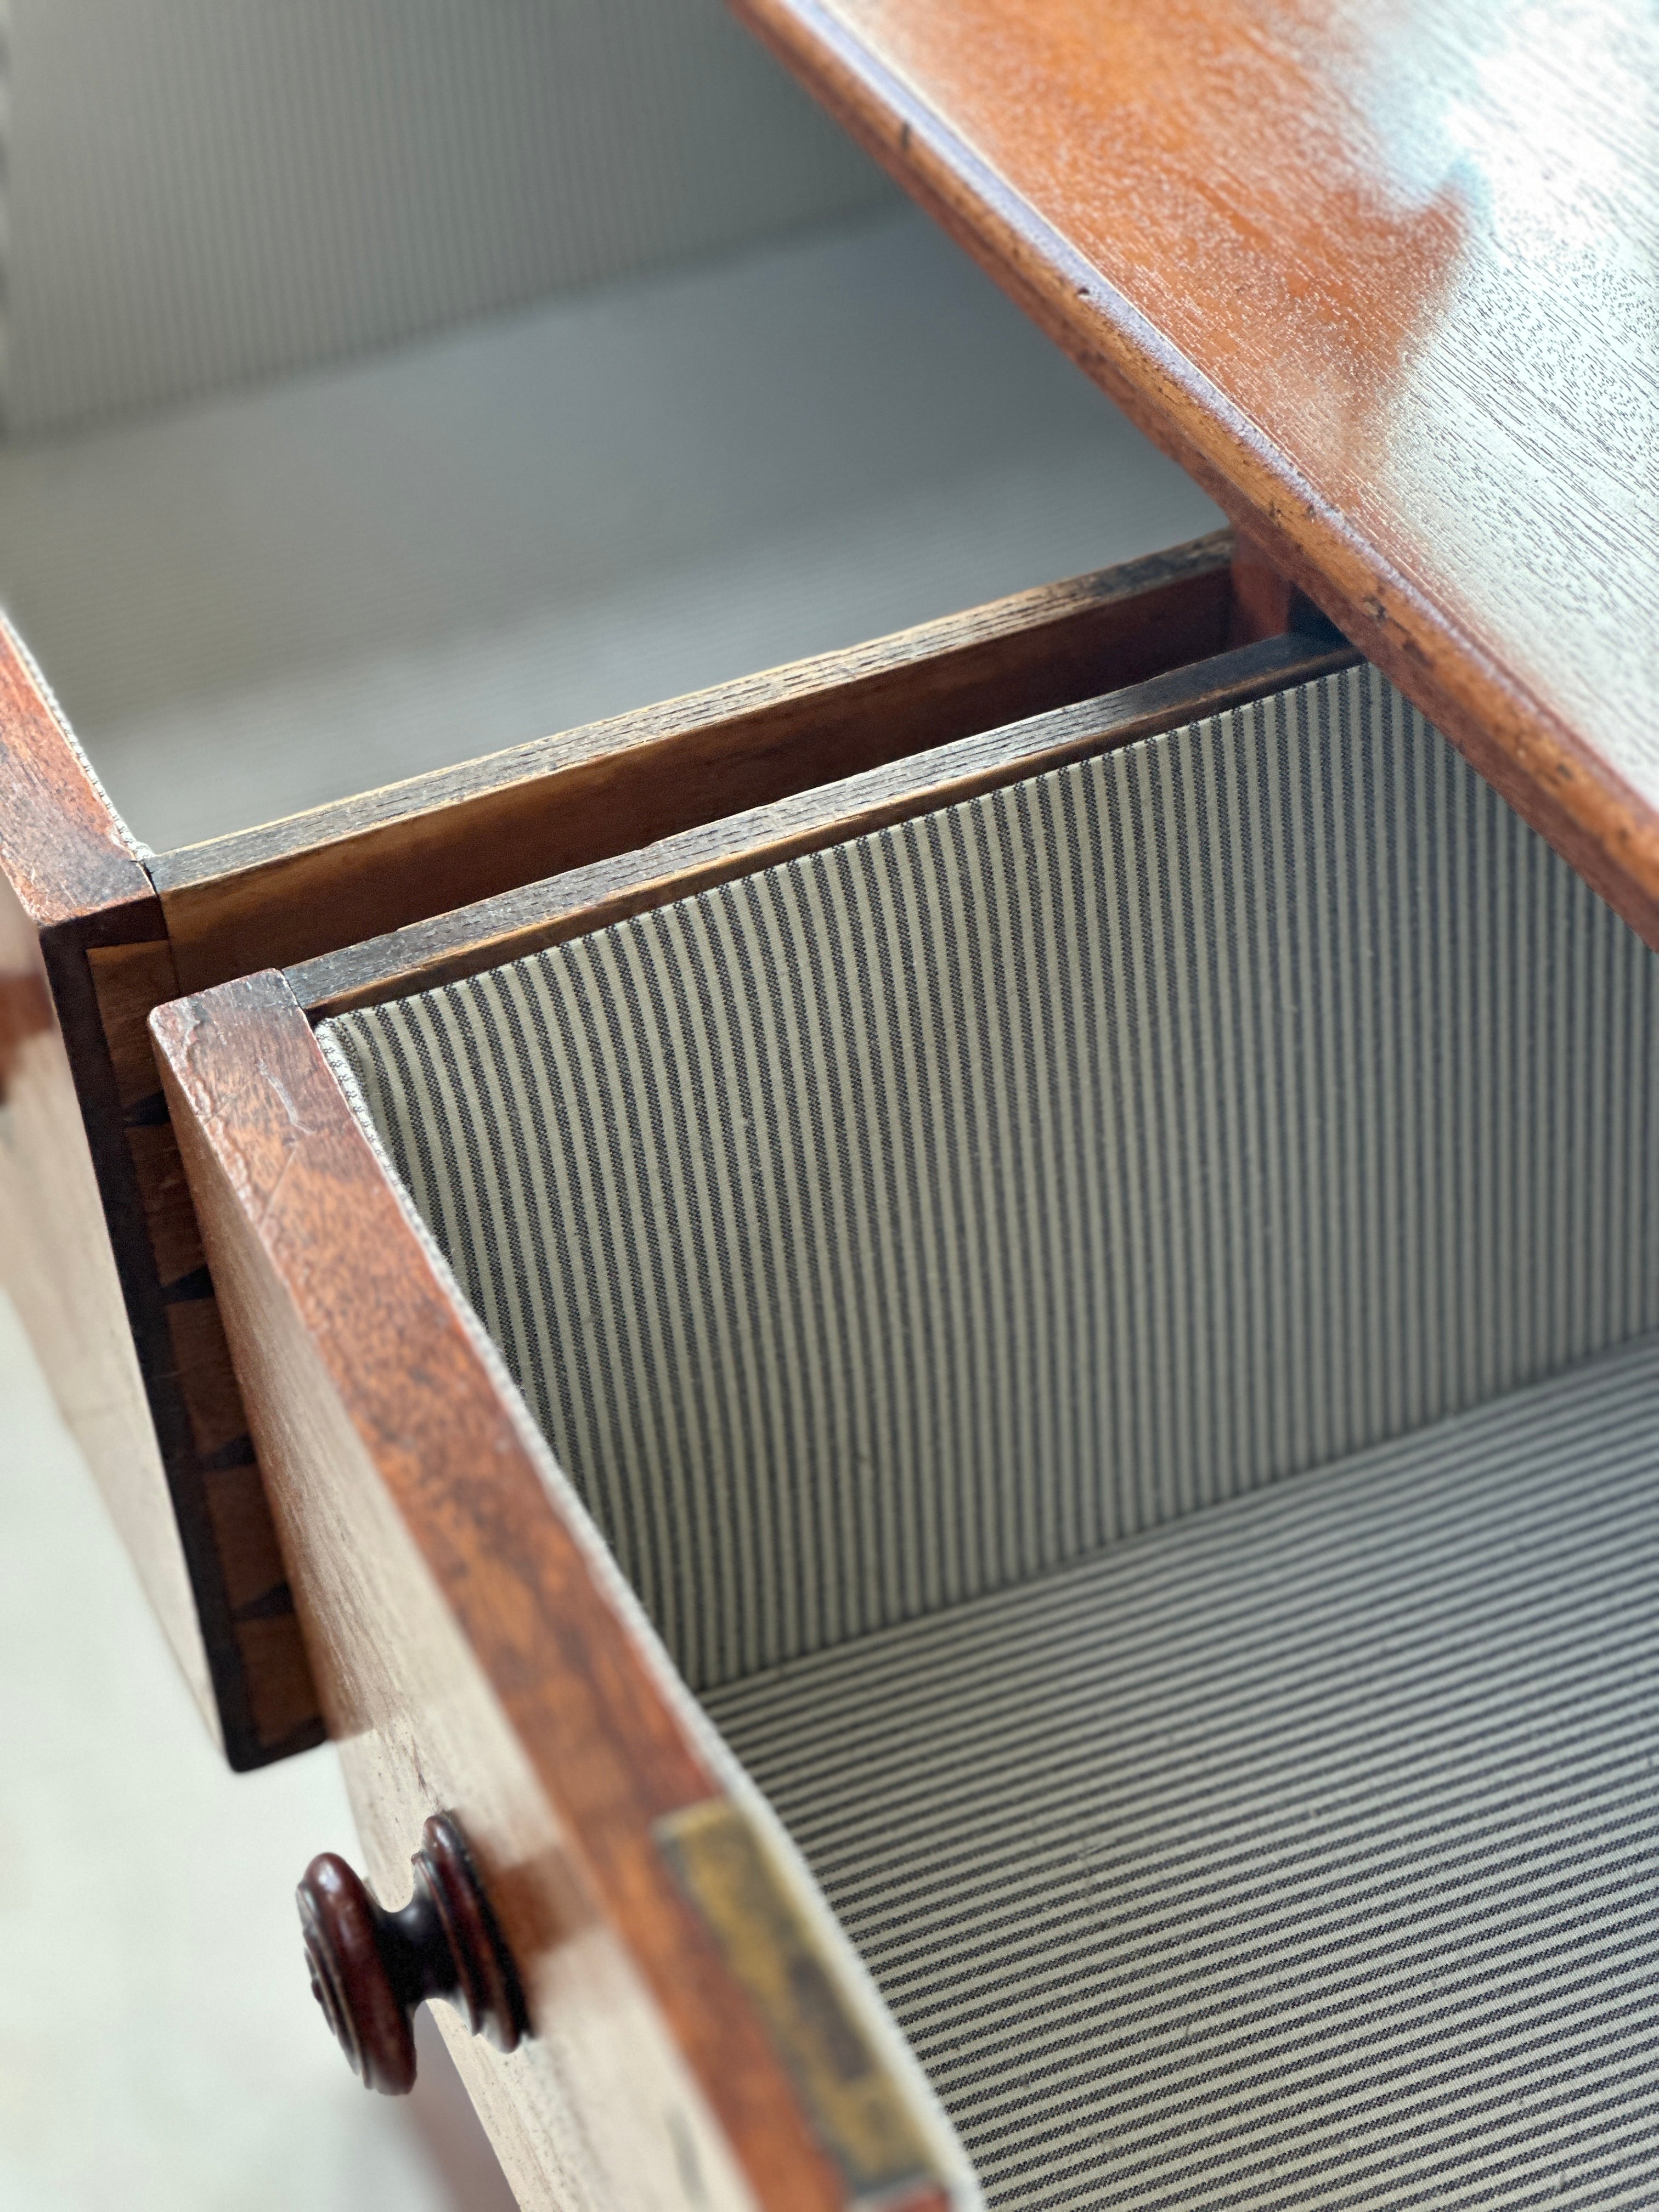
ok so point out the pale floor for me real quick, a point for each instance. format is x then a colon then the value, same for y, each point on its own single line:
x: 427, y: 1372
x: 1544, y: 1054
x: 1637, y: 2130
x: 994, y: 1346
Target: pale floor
x: 158, y: 2047
x: 251, y: 606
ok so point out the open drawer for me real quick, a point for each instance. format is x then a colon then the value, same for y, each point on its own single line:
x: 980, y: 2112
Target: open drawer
x: 993, y: 1435
x: 98, y: 1237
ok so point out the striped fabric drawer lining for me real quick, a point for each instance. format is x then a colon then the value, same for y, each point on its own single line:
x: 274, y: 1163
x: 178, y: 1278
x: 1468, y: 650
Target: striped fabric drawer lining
x: 891, y: 1226
x: 1302, y: 1854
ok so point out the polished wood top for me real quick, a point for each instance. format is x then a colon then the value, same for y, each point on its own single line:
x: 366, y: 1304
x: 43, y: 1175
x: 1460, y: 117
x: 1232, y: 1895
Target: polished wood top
x: 1385, y: 278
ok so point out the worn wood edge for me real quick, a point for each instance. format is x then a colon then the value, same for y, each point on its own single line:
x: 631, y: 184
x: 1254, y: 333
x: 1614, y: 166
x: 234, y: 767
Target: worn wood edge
x: 79, y: 879
x: 262, y: 1700
x: 297, y: 889
x: 599, y: 1718
x: 260, y: 1705
x: 59, y: 1264
x: 1551, y: 777
x: 66, y: 852
x: 266, y: 1703
x: 574, y: 904
x: 71, y: 976
x: 211, y: 1646
x: 1042, y: 606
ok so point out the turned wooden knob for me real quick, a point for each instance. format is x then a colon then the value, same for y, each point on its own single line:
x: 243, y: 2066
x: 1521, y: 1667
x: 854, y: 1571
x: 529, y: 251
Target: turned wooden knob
x: 371, y: 1968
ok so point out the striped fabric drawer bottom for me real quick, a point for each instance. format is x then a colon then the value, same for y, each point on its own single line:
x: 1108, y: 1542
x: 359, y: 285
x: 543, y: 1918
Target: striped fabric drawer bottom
x: 1301, y: 1853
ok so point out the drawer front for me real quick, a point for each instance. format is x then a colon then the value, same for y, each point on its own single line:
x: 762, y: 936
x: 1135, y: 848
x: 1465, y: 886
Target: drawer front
x: 1184, y: 1126
x: 479, y: 1655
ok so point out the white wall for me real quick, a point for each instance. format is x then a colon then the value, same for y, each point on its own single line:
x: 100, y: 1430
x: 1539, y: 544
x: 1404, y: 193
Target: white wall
x: 203, y: 192
x: 283, y: 595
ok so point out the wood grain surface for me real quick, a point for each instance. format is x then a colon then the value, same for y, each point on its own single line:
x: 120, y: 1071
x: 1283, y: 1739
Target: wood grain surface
x: 264, y: 1704
x: 1382, y: 279
x: 64, y: 849
x: 291, y: 890
x: 58, y: 1266
x: 584, y: 899
x: 471, y: 1654
x: 98, y: 1249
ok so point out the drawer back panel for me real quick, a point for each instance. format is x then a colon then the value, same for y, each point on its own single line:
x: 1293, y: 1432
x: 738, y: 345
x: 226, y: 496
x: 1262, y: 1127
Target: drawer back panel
x: 903, y: 1221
